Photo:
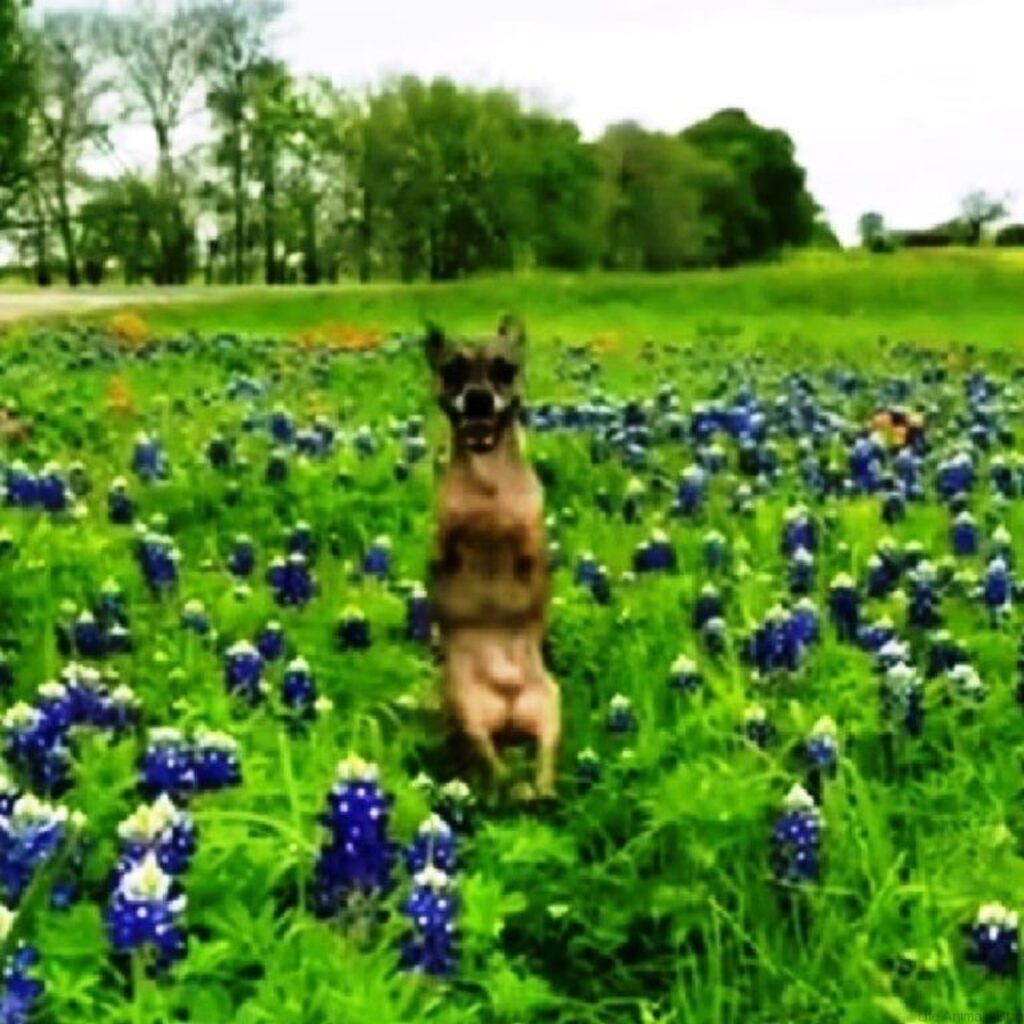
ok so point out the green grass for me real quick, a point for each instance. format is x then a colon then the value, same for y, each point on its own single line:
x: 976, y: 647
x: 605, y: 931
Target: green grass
x: 816, y: 303
x: 647, y: 899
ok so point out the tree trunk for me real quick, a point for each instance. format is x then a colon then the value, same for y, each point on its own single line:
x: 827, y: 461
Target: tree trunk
x: 67, y: 233
x: 270, y: 217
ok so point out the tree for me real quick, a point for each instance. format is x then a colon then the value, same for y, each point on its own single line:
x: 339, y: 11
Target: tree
x: 160, y: 56
x: 234, y: 49
x: 16, y: 87
x: 767, y: 205
x: 71, y: 87
x: 873, y: 234
x: 656, y: 191
x: 978, y: 209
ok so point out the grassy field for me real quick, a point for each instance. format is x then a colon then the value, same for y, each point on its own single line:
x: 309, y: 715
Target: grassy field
x: 671, y: 882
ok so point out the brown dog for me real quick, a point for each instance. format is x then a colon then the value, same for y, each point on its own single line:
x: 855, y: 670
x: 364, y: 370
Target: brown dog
x: 489, y: 578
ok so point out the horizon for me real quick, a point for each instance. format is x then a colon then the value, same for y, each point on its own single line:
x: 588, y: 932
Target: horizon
x: 904, y: 138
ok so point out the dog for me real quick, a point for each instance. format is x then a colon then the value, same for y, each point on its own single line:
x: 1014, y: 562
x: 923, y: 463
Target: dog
x: 489, y: 578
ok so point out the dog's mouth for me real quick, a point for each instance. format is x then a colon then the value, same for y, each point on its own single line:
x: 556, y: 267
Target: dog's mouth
x: 479, y: 435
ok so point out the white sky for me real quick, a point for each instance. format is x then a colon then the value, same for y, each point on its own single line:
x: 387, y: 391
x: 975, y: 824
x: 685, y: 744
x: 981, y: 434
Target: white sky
x: 896, y: 105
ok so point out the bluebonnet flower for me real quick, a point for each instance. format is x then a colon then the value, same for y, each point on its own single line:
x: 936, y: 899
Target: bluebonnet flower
x: 632, y: 502
x: 364, y: 442
x: 301, y: 540
x: 88, y: 637
x: 158, y: 558
x: 215, y: 761
x: 160, y: 828
x: 1002, y: 477
x: 357, y: 858
x: 270, y: 641
x: 145, y: 914
x: 964, y: 535
x: 431, y: 946
x: 894, y: 506
x: 922, y: 607
x: 291, y: 580
x: 655, y: 554
x: 873, y: 636
x: 866, y: 458
x: 944, y: 653
x: 21, y: 486
x: 281, y: 425
x: 594, y: 576
x: 433, y: 845
x: 120, y: 710
x: 353, y: 630
x: 120, y: 505
x: 804, y: 622
x: 30, y: 836
x: 903, y: 698
x: 588, y: 769
x: 798, y: 531
x: 774, y: 644
x: 796, y: 839
x: 822, y: 746
x: 219, y: 452
x: 455, y: 804
x: 715, y: 550
x: 194, y: 617
x: 691, y: 492
x: 892, y: 652
x: 52, y: 490
x: 167, y: 765
x: 708, y: 605
x: 993, y: 940
x: 298, y: 688
x: 19, y: 991
x: 955, y: 475
x: 757, y: 727
x: 801, y: 572
x: 377, y: 559
x: 997, y: 587
x: 844, y: 606
x: 242, y: 558
x: 35, y: 747
x: 1001, y: 545
x: 965, y: 684
x: 148, y: 460
x: 277, y: 467
x: 417, y: 615
x: 621, y: 717
x: 684, y: 675
x: 243, y: 672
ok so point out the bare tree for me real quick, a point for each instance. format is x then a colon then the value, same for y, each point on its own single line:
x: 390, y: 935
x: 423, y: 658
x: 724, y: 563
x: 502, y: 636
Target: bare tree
x: 978, y: 209
x: 68, y: 119
x: 160, y: 55
x: 237, y: 39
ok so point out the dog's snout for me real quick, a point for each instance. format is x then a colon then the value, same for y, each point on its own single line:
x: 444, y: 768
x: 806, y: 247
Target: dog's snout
x: 478, y: 403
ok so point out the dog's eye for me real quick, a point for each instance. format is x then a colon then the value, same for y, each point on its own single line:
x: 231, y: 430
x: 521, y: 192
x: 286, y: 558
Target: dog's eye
x: 503, y: 373
x: 455, y: 373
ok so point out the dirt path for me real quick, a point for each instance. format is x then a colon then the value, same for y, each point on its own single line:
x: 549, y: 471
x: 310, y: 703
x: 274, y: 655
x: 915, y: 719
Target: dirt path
x: 22, y: 305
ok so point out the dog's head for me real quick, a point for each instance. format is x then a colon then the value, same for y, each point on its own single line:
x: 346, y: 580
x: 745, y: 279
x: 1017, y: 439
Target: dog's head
x: 477, y: 383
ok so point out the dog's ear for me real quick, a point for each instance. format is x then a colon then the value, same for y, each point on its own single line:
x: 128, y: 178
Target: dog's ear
x: 434, y: 343
x: 513, y: 333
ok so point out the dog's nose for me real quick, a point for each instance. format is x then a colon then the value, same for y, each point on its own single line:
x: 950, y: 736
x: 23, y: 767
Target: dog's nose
x: 477, y: 403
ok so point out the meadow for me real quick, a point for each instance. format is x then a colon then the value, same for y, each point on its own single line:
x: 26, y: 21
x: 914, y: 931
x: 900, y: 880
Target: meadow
x: 787, y: 633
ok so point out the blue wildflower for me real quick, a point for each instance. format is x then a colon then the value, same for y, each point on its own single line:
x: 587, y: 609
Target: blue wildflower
x: 796, y: 839
x: 377, y: 559
x: 353, y: 630
x: 588, y: 769
x: 298, y: 688
x: 242, y: 558
x: 19, y: 991
x: 993, y: 940
x: 145, y: 914
x: 903, y: 698
x: 270, y: 641
x: 194, y: 617
x: 291, y: 580
x: 120, y: 506
x: 844, y: 606
x: 167, y: 765
x: 357, y: 858
x: 621, y: 718
x: 822, y: 746
x: 684, y: 675
x: 243, y: 672
x: 431, y: 946
x: 433, y: 845
x: 30, y: 836
x: 160, y: 828
x: 964, y: 535
x: 757, y: 728
x: 148, y: 460
x: 417, y: 615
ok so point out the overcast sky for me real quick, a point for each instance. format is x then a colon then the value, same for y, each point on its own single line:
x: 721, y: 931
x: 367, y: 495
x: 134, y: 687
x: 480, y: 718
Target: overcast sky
x: 896, y: 105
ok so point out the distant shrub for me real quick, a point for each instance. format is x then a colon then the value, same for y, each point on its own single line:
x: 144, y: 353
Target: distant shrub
x: 1011, y: 235
x: 933, y: 238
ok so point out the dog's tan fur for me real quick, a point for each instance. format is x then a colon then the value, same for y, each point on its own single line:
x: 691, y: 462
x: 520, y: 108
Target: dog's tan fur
x: 489, y: 583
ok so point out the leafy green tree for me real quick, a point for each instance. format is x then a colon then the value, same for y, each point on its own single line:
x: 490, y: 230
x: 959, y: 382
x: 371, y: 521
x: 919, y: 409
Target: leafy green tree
x: 767, y: 205
x: 16, y: 86
x: 657, y: 187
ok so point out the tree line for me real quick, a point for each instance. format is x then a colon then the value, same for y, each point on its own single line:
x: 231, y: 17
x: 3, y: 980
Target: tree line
x: 298, y: 180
